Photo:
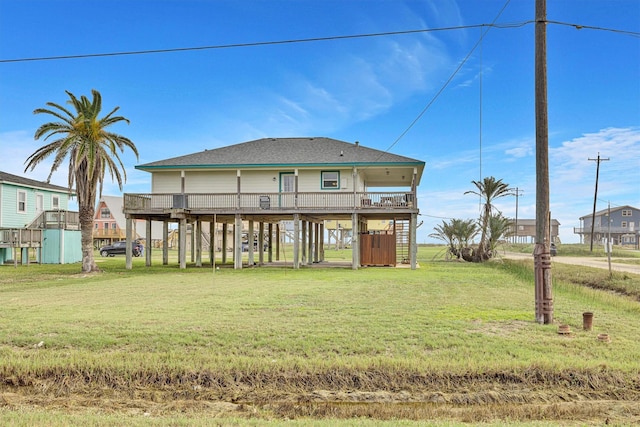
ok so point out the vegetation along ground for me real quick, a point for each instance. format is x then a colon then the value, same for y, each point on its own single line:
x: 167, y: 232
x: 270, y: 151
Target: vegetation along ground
x: 451, y: 343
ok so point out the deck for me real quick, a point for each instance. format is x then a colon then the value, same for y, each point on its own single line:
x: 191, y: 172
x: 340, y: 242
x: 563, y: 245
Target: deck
x: 154, y: 204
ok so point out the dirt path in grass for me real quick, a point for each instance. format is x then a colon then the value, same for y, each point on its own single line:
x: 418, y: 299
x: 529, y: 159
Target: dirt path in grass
x: 595, y: 262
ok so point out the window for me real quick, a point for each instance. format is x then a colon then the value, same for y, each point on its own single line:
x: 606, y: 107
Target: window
x: 623, y: 224
x: 626, y: 212
x: 114, y: 226
x: 55, y: 202
x: 106, y: 225
x: 22, y: 201
x: 105, y: 213
x: 330, y: 180
x: 95, y: 225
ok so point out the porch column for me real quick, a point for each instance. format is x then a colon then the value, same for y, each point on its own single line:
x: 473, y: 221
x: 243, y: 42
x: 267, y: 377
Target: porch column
x: 148, y: 242
x: 198, y: 229
x: 321, y: 254
x: 128, y: 251
x: 296, y: 241
x: 212, y: 241
x: 316, y: 242
x: 182, y: 243
x: 413, y: 244
x: 355, y: 241
x: 310, y: 243
x: 225, y: 242
x: 250, y: 242
x: 304, y: 242
x: 278, y: 241
x: 261, y: 243
x: 237, y: 243
x: 192, y: 241
x: 165, y: 242
x: 270, y: 258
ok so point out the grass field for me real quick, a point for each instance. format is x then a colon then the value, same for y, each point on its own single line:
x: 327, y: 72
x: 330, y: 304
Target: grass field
x: 451, y: 342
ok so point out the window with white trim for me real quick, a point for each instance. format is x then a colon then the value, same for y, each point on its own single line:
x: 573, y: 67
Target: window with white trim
x: 105, y: 213
x: 623, y: 224
x: 330, y: 180
x: 55, y: 202
x: 22, y: 201
x: 626, y: 212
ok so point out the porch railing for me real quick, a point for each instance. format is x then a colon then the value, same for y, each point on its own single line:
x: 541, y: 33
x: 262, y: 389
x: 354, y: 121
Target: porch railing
x: 20, y: 237
x: 268, y: 201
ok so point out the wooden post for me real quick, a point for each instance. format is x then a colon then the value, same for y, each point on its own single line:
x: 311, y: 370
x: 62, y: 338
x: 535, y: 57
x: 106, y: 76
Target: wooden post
x: 165, y: 242
x: 128, y: 250
x: 148, y: 241
x: 304, y: 242
x: 355, y: 241
x: 296, y: 241
x: 261, y: 243
x: 237, y: 245
x: 250, y: 242
x: 541, y: 253
x: 182, y: 243
x: 225, y: 242
x: 270, y: 259
x: 212, y: 241
x: 413, y: 244
x: 198, y: 230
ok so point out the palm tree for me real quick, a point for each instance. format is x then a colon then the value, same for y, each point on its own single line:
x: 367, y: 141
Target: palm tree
x: 489, y: 189
x: 457, y: 234
x: 82, y: 136
x: 499, y: 228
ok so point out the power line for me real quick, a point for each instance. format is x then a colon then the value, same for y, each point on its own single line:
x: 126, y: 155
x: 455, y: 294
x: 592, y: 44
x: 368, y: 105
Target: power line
x: 313, y: 39
x: 444, y: 86
x: 256, y: 44
x: 590, y: 27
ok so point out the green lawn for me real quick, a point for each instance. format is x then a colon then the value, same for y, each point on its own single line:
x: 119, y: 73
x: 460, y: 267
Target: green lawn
x: 263, y: 335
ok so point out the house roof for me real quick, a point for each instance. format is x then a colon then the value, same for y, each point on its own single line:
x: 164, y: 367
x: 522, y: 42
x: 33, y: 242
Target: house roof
x: 286, y: 152
x: 32, y: 183
x: 605, y: 211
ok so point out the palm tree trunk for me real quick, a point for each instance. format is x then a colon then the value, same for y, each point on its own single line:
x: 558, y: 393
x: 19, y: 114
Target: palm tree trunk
x: 86, y: 214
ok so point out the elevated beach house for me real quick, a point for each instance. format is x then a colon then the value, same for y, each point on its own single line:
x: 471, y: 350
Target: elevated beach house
x: 35, y: 222
x: 302, y: 182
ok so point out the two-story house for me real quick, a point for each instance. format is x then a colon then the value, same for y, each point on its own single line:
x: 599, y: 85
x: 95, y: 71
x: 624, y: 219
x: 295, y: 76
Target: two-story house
x: 302, y: 180
x: 621, y: 223
x: 34, y: 217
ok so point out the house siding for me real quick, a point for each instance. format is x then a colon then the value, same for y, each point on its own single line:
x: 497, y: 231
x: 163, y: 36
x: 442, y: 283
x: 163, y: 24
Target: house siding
x: 166, y: 182
x: 10, y: 217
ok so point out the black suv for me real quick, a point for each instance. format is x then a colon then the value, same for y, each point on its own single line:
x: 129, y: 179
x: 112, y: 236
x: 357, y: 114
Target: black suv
x: 121, y: 248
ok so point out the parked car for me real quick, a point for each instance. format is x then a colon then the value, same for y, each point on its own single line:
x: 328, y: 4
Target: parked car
x: 553, y: 249
x: 120, y: 248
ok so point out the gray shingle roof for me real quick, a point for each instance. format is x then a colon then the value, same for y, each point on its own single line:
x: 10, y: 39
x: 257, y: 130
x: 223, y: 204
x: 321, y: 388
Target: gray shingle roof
x: 20, y: 180
x: 307, y: 151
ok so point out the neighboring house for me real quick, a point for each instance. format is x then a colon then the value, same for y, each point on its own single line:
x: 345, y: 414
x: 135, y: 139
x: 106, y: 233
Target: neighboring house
x: 303, y: 180
x: 109, y: 224
x: 34, y: 216
x: 524, y: 231
x: 622, y: 224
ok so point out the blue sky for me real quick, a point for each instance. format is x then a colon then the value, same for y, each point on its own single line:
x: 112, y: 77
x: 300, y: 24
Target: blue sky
x: 362, y: 89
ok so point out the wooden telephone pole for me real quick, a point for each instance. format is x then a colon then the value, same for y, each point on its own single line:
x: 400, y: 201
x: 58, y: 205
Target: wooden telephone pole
x: 542, y: 253
x: 595, y: 197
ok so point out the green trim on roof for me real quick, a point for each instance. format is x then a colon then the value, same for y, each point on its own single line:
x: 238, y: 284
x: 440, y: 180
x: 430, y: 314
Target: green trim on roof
x: 278, y: 166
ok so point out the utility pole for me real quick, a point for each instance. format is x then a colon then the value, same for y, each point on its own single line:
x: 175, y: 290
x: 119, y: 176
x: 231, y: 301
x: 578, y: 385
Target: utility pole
x: 541, y: 252
x: 516, y: 192
x: 595, y: 196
